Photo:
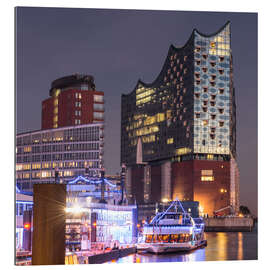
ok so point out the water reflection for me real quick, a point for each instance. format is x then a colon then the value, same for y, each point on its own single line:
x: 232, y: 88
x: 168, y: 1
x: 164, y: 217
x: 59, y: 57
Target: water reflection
x: 221, y: 246
x: 240, y: 246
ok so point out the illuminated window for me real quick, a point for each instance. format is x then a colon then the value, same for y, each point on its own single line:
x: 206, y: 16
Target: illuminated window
x: 207, y: 178
x: 182, y: 151
x: 207, y: 175
x: 213, y: 44
x: 160, y: 117
x: 205, y: 122
x: 27, y: 149
x: 98, y: 98
x: 170, y: 141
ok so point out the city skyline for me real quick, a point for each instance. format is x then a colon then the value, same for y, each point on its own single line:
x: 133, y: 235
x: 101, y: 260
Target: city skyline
x: 135, y: 57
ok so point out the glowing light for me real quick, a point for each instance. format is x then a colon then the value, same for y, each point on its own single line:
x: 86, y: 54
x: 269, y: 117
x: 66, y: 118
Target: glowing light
x: 76, y: 209
x: 26, y: 226
x: 165, y: 200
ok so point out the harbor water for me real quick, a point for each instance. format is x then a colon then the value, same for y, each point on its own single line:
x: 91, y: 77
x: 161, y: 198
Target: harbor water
x: 221, y: 246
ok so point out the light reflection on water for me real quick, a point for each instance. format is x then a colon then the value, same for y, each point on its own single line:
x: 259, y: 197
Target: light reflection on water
x: 221, y: 246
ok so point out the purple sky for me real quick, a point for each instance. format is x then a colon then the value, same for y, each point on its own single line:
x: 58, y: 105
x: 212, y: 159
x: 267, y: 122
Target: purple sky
x: 118, y: 47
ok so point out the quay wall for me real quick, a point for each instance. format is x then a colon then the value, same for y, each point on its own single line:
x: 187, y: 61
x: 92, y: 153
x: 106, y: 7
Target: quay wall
x: 229, y: 224
x: 112, y: 255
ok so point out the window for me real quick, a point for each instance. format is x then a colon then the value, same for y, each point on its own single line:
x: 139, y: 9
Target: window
x: 77, y: 104
x: 78, y: 95
x: 207, y: 175
x: 221, y: 110
x: 213, y: 44
x: 213, y: 116
x: 204, y: 56
x: 98, y: 107
x: 221, y: 71
x: 84, y: 87
x: 77, y: 121
x: 98, y: 115
x: 78, y: 113
x: 98, y: 98
x: 221, y: 58
x: 221, y: 90
x: 204, y: 69
x: 204, y: 109
x: 205, y: 88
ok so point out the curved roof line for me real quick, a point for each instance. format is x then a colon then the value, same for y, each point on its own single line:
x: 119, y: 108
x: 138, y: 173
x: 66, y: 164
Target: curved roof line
x: 174, y: 48
x: 211, y: 35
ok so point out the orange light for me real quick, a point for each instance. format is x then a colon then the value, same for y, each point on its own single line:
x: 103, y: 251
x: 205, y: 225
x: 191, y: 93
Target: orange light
x: 138, y: 225
x: 94, y: 224
x: 26, y: 226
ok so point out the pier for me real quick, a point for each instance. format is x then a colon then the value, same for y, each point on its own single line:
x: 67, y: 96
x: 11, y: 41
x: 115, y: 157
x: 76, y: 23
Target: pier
x: 229, y: 224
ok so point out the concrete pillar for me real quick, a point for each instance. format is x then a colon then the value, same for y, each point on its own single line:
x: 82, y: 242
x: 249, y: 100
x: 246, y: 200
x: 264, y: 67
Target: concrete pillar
x: 166, y: 192
x: 147, y: 183
x: 128, y: 184
x: 49, y: 221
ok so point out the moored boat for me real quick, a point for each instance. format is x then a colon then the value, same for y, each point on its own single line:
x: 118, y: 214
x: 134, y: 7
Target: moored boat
x: 171, y: 231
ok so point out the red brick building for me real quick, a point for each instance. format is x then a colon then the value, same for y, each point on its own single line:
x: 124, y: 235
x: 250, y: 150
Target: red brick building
x: 73, y: 101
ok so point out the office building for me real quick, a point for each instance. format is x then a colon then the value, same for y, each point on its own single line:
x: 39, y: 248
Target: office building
x: 67, y: 151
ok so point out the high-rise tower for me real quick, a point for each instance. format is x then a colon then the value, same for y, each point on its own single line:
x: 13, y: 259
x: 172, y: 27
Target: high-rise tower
x: 178, y: 134
x: 74, y: 101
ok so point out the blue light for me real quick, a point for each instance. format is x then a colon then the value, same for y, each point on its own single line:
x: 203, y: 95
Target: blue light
x: 24, y: 202
x: 94, y: 181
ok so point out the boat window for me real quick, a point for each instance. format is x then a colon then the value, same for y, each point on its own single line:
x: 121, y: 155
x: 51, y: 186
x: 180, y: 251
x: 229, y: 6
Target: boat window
x: 148, y: 238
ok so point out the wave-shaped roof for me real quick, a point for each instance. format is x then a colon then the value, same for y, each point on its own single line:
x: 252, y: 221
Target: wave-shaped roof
x: 173, y: 48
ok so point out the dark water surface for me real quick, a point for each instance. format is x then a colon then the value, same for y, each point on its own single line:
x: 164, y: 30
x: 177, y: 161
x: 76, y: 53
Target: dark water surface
x: 221, y: 246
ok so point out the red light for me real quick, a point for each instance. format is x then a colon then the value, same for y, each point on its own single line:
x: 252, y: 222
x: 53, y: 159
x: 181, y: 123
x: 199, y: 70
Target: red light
x: 26, y: 226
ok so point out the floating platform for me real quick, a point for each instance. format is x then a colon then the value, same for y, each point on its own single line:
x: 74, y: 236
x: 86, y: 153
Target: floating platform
x: 229, y: 224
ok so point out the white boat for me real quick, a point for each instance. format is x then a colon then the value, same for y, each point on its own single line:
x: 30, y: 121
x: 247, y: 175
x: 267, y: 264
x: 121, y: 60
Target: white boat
x: 171, y: 231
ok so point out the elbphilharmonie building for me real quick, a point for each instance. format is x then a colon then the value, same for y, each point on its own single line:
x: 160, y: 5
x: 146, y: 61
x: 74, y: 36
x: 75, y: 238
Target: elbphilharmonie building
x: 178, y: 133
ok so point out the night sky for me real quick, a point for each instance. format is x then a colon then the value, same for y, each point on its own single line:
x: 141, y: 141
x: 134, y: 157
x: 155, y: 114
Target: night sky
x: 118, y: 47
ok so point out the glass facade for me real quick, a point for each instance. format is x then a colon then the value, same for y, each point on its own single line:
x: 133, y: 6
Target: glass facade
x: 212, y: 91
x: 68, y: 150
x: 188, y: 112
